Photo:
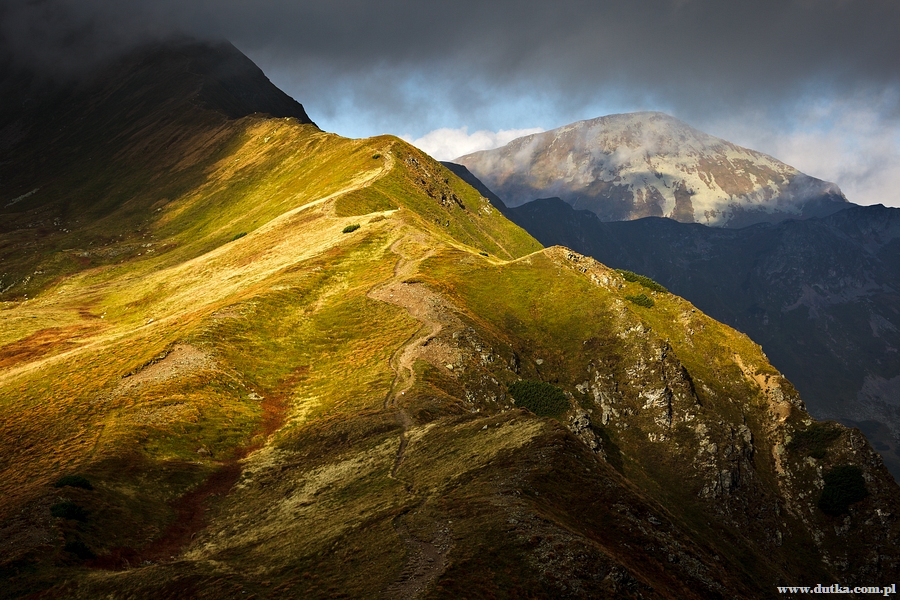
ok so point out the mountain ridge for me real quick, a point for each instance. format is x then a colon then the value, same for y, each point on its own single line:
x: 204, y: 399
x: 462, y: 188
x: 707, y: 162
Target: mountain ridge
x: 268, y: 360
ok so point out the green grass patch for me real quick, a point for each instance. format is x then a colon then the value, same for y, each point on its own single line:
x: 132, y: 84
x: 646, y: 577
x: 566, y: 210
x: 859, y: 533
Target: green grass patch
x: 641, y: 300
x: 642, y: 280
x: 543, y: 399
x: 534, y: 309
x: 844, y: 485
x: 362, y: 202
x: 427, y: 188
x: 814, y: 440
x: 350, y: 228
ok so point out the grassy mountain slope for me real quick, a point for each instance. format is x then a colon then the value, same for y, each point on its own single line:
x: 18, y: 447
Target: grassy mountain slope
x: 262, y: 399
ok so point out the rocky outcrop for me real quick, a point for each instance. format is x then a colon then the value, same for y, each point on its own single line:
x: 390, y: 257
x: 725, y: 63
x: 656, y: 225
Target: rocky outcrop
x: 580, y: 426
x: 819, y: 295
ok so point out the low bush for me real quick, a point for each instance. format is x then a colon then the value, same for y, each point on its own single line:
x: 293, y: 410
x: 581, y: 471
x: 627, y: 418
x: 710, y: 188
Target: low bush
x: 641, y: 300
x: 814, y: 440
x: 543, y: 399
x: 844, y: 485
x: 644, y: 281
x: 79, y: 549
x: 239, y: 235
x: 68, y: 510
x: 351, y: 228
x: 73, y: 481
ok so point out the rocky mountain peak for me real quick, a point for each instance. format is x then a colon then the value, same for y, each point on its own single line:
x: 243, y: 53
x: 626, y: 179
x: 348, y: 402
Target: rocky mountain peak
x: 225, y: 79
x: 634, y: 165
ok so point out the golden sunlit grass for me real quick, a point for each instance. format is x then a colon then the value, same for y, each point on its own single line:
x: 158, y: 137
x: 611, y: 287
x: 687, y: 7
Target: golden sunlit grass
x: 250, y: 274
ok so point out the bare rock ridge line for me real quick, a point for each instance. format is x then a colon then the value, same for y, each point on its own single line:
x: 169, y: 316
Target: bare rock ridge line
x: 425, y: 559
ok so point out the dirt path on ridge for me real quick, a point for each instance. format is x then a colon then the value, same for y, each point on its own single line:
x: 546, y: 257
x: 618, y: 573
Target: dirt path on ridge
x: 425, y: 559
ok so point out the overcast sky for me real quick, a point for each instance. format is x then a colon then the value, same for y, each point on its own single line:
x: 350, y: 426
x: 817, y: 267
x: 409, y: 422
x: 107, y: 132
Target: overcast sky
x: 815, y: 83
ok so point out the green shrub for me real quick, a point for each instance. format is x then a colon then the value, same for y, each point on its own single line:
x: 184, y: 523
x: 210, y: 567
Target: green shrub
x: 68, y: 510
x: 641, y: 300
x: 644, y: 281
x: 73, y: 481
x: 239, y: 236
x: 814, y: 440
x: 351, y: 228
x: 376, y: 156
x: 543, y: 399
x: 483, y: 253
x: 844, y: 485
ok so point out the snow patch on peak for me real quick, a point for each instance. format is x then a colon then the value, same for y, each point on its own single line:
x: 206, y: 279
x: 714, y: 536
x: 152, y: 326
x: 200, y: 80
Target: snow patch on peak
x: 640, y: 164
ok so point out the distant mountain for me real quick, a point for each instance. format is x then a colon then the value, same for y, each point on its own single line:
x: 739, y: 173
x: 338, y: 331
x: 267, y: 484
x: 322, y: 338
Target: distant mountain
x: 648, y: 164
x: 822, y: 296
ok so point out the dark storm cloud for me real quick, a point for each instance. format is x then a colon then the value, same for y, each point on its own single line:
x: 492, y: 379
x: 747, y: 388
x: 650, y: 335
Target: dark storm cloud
x: 699, y: 53
x: 814, y: 82
x: 63, y: 38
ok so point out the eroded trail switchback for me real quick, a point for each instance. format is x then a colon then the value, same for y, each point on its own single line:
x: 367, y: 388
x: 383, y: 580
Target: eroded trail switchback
x: 425, y: 559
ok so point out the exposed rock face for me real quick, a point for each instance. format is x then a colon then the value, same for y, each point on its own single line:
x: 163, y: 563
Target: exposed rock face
x: 580, y: 425
x: 628, y: 166
x: 716, y: 433
x: 820, y: 295
x: 726, y: 445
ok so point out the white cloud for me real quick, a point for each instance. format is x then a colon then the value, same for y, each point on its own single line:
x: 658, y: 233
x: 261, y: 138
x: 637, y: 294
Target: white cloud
x: 846, y: 141
x: 447, y: 144
x: 863, y: 161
